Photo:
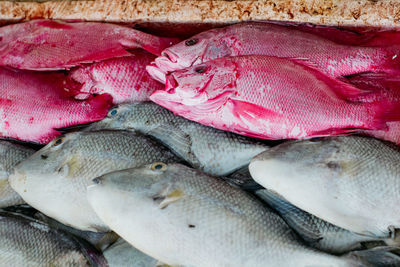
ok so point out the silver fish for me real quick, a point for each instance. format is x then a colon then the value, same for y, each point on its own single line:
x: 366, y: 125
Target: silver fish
x: 10, y: 155
x: 211, y: 150
x: 28, y: 242
x: 314, y: 231
x: 54, y: 179
x: 122, y: 254
x: 183, y: 217
x: 352, y: 182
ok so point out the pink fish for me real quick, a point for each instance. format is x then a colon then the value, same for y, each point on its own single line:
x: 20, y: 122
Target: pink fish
x: 335, y: 58
x: 384, y: 86
x: 33, y: 105
x: 270, y: 98
x: 52, y: 45
x: 125, y: 79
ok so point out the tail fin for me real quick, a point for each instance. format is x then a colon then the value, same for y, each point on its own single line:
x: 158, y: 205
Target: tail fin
x: 379, y: 256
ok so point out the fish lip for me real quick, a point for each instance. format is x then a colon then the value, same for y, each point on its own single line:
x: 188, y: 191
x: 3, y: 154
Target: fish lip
x: 157, y: 73
x: 169, y: 55
x: 171, y: 83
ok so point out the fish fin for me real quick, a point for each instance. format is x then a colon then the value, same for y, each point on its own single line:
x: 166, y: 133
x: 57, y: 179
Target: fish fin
x: 378, y: 256
x: 301, y: 221
x: 342, y: 90
x: 73, y: 128
x: 100, y: 105
x: 71, y: 167
x: 336, y: 132
x: 242, y: 179
x: 161, y: 264
x: 182, y: 143
x: 249, y: 114
x: 164, y: 198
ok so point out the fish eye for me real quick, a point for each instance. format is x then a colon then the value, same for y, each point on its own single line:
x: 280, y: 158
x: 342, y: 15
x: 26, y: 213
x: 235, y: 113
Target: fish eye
x: 159, y: 166
x: 112, y: 112
x: 191, y: 42
x: 59, y: 141
x: 200, y: 69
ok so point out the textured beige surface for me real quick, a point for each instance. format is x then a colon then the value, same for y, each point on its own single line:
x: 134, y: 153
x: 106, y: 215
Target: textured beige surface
x: 332, y: 12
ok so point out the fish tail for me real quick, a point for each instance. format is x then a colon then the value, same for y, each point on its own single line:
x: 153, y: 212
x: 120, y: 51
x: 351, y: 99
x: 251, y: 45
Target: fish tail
x: 378, y: 256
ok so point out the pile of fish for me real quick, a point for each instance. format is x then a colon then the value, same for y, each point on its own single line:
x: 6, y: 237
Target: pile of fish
x: 122, y: 148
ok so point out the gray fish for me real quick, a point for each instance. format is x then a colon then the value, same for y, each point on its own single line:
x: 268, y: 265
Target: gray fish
x: 28, y: 242
x: 10, y: 155
x: 183, y: 217
x: 352, y: 182
x: 122, y: 254
x: 99, y: 240
x: 211, y: 150
x: 54, y: 179
x: 314, y: 231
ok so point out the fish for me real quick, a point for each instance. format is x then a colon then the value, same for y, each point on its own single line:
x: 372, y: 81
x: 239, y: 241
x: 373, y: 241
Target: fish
x: 10, y: 155
x: 121, y: 252
x: 386, y: 86
x: 28, y: 242
x: 100, y: 240
x: 271, y: 98
x: 33, y: 105
x: 211, y: 150
x: 56, y: 45
x: 351, y: 182
x: 174, y: 210
x: 54, y: 179
x: 125, y: 79
x: 315, y: 232
x: 333, y: 57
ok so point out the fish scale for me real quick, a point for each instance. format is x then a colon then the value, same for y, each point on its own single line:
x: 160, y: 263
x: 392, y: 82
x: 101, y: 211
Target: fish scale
x: 297, y: 101
x: 213, y: 151
x: 336, y: 54
x: 27, y: 242
x: 237, y: 228
x: 69, y: 167
x: 125, y: 79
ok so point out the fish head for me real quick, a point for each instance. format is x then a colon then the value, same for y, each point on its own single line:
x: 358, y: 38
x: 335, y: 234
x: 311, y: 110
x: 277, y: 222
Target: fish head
x: 115, y: 119
x: 53, y: 160
x: 156, y: 184
x: 200, y: 48
x: 207, y: 85
x: 299, y: 162
x: 140, y: 179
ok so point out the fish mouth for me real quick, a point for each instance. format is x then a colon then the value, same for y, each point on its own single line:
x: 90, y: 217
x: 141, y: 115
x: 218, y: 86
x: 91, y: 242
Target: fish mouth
x: 156, y: 73
x: 171, y: 56
x: 171, y: 83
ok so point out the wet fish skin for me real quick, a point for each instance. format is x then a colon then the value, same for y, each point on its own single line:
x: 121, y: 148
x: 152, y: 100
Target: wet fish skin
x: 352, y: 182
x: 10, y: 155
x: 211, y: 150
x: 125, y: 79
x: 336, y: 55
x: 177, y: 209
x: 315, y: 232
x: 259, y: 96
x: 122, y: 252
x: 28, y: 242
x: 56, y: 45
x: 54, y: 179
x: 47, y: 109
